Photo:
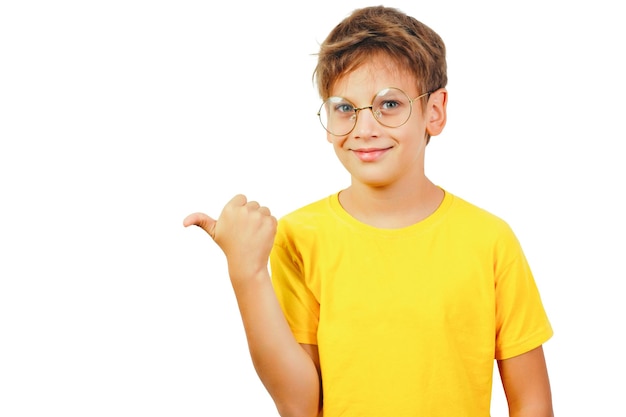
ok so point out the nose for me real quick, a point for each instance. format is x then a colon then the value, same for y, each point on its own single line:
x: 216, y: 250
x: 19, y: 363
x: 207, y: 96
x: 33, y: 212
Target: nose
x: 366, y: 123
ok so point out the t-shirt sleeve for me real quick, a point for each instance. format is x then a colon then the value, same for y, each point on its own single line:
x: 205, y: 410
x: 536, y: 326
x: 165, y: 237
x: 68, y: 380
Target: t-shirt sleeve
x: 299, y: 304
x: 521, y: 321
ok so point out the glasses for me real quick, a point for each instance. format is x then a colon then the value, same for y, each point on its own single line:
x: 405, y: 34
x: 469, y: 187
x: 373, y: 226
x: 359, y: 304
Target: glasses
x: 391, y: 107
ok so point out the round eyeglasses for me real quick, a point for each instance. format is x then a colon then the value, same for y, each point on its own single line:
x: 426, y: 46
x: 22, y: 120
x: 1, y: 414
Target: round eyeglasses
x: 391, y: 107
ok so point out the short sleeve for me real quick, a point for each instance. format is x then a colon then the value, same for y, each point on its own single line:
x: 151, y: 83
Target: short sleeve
x: 521, y: 321
x: 299, y: 304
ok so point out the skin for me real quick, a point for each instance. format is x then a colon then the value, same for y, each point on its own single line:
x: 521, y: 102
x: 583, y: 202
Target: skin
x: 245, y: 232
x: 388, y: 189
x: 526, y: 384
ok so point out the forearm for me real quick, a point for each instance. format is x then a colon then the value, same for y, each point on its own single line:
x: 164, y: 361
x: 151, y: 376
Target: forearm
x: 541, y: 410
x: 285, y: 369
x: 245, y: 232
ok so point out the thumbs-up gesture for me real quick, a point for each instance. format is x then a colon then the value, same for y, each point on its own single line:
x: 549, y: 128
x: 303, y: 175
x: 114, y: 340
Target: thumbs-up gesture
x: 244, y: 231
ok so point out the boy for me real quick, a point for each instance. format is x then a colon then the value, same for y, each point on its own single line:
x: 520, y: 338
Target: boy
x: 391, y: 297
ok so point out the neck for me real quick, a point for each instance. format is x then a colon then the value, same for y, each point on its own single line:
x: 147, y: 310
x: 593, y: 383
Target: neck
x: 392, y: 207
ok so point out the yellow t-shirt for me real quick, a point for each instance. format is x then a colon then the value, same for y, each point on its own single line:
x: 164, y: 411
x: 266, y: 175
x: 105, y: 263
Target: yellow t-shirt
x: 407, y: 321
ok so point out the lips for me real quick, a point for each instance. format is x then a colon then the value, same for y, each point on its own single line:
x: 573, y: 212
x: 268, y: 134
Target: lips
x: 370, y: 154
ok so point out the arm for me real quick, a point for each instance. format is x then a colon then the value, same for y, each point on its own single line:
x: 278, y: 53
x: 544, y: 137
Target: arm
x: 245, y: 232
x: 313, y: 352
x: 526, y: 384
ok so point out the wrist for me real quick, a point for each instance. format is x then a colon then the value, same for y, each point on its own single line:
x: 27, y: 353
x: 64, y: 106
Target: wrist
x: 243, y: 276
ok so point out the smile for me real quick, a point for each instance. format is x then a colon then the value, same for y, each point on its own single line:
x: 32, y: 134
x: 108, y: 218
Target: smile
x: 370, y: 154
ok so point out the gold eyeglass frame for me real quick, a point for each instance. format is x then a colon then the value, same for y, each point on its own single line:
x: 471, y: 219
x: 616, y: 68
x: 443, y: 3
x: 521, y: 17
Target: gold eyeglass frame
x: 371, y: 107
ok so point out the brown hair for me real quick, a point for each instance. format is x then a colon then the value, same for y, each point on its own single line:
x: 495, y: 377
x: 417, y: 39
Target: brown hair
x: 409, y: 43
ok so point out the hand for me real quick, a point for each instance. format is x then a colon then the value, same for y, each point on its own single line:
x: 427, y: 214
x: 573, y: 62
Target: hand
x: 244, y: 231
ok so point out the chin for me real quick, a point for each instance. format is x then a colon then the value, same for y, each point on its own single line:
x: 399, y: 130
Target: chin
x: 372, y: 182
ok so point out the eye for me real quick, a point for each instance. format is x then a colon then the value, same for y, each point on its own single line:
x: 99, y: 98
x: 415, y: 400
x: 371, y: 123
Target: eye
x: 389, y: 105
x: 344, y: 108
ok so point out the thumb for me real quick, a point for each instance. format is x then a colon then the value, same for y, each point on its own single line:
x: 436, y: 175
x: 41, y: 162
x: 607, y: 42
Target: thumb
x: 203, y: 221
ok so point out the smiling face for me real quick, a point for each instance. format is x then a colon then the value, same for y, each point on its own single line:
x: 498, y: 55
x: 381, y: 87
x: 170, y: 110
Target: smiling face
x: 376, y: 155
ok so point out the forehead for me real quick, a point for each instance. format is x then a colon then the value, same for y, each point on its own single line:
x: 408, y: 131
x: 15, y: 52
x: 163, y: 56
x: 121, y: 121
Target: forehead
x: 373, y: 75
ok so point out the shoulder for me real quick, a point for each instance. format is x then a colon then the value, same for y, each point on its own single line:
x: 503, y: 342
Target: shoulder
x: 477, y: 222
x: 463, y: 211
x: 311, y: 213
x: 306, y: 221
x: 487, y: 236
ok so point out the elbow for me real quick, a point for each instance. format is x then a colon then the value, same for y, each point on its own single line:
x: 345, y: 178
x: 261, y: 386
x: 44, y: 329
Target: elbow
x: 298, y: 403
x: 293, y: 409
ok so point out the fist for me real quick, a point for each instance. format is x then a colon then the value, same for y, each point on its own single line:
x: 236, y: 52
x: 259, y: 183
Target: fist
x: 244, y: 231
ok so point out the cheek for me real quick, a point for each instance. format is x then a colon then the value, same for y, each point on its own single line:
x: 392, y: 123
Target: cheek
x: 336, y: 141
x: 415, y: 131
x: 338, y: 148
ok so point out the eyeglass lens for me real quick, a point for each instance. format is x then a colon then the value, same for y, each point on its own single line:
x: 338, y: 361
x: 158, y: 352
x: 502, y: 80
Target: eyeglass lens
x: 391, y: 107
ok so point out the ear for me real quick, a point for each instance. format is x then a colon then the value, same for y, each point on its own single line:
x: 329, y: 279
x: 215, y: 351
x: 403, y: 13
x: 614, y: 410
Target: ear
x: 436, y: 112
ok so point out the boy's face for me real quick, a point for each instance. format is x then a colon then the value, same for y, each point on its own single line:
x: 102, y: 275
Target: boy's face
x: 380, y: 156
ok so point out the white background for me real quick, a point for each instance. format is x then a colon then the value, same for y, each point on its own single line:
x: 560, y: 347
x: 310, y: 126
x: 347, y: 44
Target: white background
x: 119, y: 118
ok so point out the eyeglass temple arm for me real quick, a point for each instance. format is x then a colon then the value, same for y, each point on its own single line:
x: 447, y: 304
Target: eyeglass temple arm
x: 421, y: 95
